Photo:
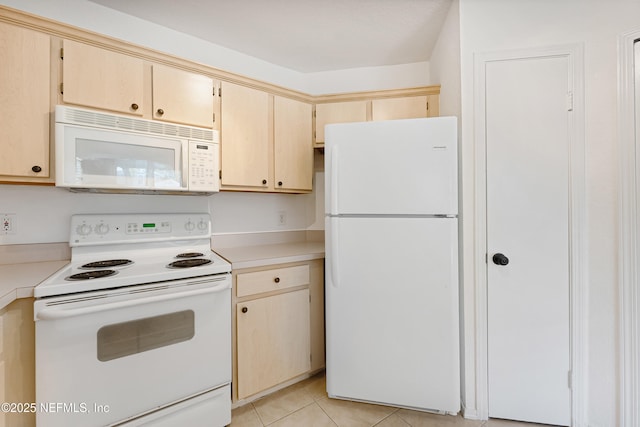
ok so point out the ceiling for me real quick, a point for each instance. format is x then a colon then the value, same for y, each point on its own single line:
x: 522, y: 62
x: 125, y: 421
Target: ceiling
x: 305, y: 35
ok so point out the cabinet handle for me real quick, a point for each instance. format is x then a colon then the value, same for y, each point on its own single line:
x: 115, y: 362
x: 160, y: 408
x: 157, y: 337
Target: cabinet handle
x: 245, y: 309
x: 134, y: 107
x: 160, y: 111
x: 277, y: 280
x: 36, y: 169
x: 279, y: 183
x: 264, y: 182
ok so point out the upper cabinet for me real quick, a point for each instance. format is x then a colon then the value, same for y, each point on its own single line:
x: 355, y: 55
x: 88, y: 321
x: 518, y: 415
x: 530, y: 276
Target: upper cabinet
x: 338, y: 112
x: 109, y: 80
x: 100, y: 78
x: 24, y: 105
x: 182, y: 97
x: 267, y: 132
x: 244, y: 139
x: 374, y: 106
x: 293, y: 145
x: 413, y: 107
x: 266, y: 142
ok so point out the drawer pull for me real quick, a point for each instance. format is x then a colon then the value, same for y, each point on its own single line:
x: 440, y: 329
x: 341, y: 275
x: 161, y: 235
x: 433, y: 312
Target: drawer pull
x: 245, y: 309
x: 277, y: 280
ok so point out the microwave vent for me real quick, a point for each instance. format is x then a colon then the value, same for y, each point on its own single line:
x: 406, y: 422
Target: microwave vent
x: 118, y: 122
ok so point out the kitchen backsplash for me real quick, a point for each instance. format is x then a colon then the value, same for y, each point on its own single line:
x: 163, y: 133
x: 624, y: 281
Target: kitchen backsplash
x: 42, y: 213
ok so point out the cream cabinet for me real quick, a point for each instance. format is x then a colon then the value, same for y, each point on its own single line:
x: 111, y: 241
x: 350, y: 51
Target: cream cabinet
x: 17, y: 360
x: 278, y: 326
x: 24, y: 105
x: 109, y: 80
x: 273, y: 341
x: 100, y: 78
x: 338, y: 112
x: 266, y: 141
x: 182, y: 97
x: 413, y: 107
x: 244, y: 138
x: 374, y: 106
x: 293, y: 145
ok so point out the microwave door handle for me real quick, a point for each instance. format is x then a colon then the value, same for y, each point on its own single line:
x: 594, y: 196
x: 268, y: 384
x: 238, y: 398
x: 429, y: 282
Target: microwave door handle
x: 58, y: 313
x: 185, y: 165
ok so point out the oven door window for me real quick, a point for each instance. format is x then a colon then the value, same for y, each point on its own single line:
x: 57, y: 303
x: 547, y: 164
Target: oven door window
x: 140, y: 335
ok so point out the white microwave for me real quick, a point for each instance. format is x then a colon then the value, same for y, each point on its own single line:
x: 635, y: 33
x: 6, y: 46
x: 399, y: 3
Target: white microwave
x: 103, y: 152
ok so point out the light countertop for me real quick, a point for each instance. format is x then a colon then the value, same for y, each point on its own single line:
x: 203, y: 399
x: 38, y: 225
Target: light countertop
x: 270, y: 254
x: 18, y: 280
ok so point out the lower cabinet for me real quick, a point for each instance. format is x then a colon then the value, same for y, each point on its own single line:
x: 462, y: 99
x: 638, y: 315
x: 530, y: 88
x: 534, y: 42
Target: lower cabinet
x: 17, y: 361
x: 278, y: 325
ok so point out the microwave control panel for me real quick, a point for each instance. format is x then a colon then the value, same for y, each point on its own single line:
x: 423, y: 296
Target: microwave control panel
x: 203, y: 166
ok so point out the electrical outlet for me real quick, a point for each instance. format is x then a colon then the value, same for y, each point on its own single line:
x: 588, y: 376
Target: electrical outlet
x: 282, y: 217
x: 8, y: 223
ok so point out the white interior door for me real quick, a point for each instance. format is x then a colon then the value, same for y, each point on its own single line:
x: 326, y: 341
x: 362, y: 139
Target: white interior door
x: 527, y: 137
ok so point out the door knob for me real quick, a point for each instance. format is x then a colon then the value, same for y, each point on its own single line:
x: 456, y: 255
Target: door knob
x: 500, y: 259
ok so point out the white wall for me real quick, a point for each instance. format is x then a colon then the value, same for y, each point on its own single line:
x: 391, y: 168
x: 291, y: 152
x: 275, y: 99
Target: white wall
x: 494, y: 25
x: 444, y: 65
x: 43, y: 212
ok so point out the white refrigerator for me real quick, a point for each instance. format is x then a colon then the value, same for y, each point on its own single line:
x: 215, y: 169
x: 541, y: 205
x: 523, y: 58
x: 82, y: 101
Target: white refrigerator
x: 391, y: 230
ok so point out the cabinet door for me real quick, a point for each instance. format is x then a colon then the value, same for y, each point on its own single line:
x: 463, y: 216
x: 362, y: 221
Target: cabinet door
x: 316, y: 293
x: 433, y: 105
x: 245, y: 137
x: 103, y: 79
x: 338, y: 112
x: 293, y: 145
x: 24, y: 102
x: 273, y: 341
x: 399, y: 108
x: 182, y: 97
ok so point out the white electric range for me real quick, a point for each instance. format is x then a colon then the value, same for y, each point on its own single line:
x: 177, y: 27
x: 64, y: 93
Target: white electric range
x: 136, y: 329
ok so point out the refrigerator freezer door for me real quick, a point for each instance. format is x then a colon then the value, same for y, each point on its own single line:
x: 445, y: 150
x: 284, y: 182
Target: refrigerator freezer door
x: 406, y: 167
x: 392, y: 311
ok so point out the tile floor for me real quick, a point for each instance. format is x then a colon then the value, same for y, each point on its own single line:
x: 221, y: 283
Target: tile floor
x: 306, y: 405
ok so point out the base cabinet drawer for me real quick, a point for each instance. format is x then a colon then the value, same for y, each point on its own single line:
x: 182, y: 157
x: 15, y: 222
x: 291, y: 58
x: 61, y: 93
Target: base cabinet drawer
x: 272, y: 280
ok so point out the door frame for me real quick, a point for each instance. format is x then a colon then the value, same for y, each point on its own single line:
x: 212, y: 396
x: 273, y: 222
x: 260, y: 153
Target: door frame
x: 629, y: 263
x: 577, y: 224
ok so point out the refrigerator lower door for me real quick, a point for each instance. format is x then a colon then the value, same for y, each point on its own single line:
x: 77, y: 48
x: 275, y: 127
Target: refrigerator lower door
x: 392, y: 311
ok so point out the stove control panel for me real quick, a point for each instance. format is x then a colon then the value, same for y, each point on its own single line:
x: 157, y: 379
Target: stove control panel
x: 95, y: 229
x: 148, y: 227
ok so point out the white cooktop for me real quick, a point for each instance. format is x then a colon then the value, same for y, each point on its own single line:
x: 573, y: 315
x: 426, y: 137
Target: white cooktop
x: 150, y: 241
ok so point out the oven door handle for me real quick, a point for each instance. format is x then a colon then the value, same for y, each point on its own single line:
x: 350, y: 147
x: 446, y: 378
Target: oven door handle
x: 58, y: 313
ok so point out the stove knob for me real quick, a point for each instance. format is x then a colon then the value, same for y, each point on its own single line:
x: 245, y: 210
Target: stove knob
x: 83, y: 229
x: 102, y: 228
x: 202, y: 225
x: 189, y: 226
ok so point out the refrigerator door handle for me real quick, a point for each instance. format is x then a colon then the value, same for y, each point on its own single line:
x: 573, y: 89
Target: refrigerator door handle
x: 333, y: 209
x: 334, y: 251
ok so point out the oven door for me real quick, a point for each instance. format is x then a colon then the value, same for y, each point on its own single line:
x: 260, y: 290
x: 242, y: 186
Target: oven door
x: 105, y: 357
